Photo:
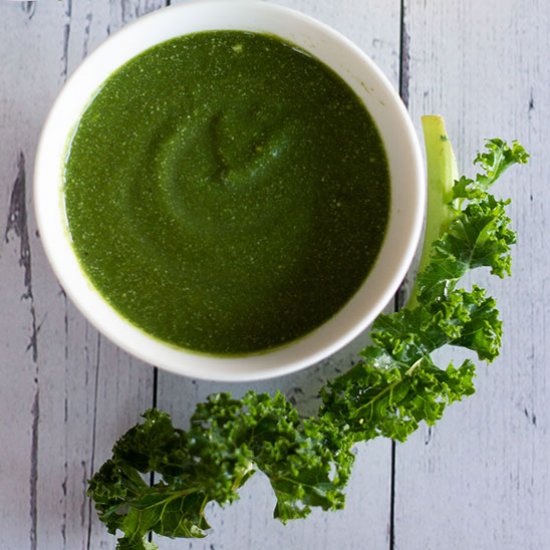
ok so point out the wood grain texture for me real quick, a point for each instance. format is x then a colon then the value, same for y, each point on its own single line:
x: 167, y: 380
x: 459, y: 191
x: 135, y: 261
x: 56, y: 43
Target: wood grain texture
x: 374, y: 26
x: 479, y: 479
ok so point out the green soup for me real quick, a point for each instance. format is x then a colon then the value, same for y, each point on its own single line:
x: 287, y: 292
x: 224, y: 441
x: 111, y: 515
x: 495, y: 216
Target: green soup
x: 226, y: 192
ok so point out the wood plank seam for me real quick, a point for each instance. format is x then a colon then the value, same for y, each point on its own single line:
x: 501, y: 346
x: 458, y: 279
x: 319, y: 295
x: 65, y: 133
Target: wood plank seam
x: 400, y: 297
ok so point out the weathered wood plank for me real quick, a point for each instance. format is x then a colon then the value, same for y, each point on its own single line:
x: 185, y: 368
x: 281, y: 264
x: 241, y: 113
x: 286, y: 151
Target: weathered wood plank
x: 67, y: 392
x: 479, y: 478
x: 374, y: 26
x: 23, y: 84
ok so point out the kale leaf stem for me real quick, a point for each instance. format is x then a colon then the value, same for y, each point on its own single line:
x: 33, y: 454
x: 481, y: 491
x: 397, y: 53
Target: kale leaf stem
x: 442, y: 172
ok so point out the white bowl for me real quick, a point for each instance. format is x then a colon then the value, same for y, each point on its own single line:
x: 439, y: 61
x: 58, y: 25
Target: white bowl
x: 369, y: 84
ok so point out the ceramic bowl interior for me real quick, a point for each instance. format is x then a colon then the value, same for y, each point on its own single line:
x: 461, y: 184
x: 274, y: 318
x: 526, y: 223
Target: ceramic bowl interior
x: 360, y: 73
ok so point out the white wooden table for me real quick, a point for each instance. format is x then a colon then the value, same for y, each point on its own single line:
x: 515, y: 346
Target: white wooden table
x: 478, y: 480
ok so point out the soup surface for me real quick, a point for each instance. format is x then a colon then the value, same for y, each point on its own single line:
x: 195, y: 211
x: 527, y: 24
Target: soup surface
x: 226, y: 192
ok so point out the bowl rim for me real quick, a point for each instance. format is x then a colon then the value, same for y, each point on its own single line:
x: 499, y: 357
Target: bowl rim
x: 219, y: 368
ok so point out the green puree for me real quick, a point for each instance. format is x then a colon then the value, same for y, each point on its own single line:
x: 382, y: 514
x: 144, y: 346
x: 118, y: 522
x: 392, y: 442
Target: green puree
x: 226, y: 192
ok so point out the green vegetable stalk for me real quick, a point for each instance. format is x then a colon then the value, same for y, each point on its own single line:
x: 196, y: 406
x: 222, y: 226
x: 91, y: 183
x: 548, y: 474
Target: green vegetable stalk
x: 395, y: 385
x: 442, y: 173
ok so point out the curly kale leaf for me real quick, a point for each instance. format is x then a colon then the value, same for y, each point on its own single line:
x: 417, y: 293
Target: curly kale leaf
x: 497, y: 157
x: 479, y: 235
x: 395, y: 386
x: 370, y: 401
x: 307, y: 462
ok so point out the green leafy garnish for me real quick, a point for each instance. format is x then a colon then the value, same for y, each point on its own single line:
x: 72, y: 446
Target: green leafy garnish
x: 395, y: 385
